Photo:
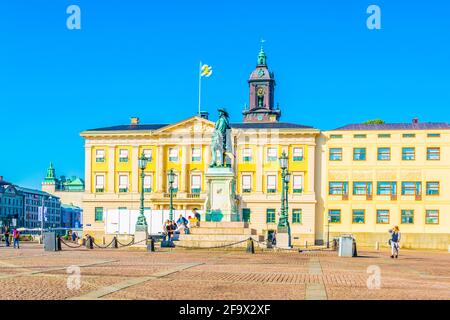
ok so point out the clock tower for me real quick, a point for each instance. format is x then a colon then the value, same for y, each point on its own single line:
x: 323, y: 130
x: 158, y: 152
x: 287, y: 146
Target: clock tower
x: 262, y: 89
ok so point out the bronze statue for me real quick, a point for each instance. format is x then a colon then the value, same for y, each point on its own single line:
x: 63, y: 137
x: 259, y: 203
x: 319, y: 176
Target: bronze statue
x: 219, y: 140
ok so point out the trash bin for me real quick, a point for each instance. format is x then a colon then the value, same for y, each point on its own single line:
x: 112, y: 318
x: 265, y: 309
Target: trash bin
x: 51, y: 242
x: 345, y: 246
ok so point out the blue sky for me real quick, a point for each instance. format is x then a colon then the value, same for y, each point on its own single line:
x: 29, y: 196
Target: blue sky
x: 140, y: 58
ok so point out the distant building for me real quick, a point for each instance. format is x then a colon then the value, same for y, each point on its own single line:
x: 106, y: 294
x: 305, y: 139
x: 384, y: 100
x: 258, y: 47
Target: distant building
x: 11, y: 205
x: 69, y: 190
x: 71, y: 216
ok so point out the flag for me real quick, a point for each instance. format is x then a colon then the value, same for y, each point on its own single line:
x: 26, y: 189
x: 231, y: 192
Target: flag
x: 40, y: 213
x: 206, y: 70
x: 45, y: 214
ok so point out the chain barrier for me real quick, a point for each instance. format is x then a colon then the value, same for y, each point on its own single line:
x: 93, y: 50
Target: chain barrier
x: 103, y: 247
x: 69, y: 245
x: 128, y: 244
x: 215, y: 247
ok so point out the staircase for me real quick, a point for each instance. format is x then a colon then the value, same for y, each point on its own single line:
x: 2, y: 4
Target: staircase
x: 216, y: 234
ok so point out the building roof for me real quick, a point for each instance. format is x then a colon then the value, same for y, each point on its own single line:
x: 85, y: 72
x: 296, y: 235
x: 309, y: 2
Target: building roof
x: 34, y: 191
x: 396, y: 126
x: 269, y: 125
x: 131, y: 127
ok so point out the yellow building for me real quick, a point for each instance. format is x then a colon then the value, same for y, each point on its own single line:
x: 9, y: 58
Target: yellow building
x: 112, y: 174
x: 375, y: 176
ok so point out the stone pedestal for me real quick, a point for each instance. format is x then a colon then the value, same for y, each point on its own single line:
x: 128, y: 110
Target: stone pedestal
x: 221, y: 199
x: 284, y: 238
x: 140, y: 234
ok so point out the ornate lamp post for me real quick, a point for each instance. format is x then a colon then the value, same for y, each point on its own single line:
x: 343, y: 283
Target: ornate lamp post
x: 328, y: 232
x: 171, y: 178
x: 141, y: 221
x: 284, y: 230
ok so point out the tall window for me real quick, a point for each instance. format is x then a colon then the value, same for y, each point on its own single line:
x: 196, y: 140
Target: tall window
x: 334, y: 216
x: 407, y: 216
x: 270, y: 216
x: 99, y: 183
x: 148, y: 183
x: 408, y: 154
x: 196, y: 183
x: 98, y: 214
x: 433, y: 188
x: 297, y: 183
x: 297, y: 216
x: 246, y: 183
x: 433, y: 154
x: 362, y: 188
x: 384, y: 154
x: 335, y: 154
x: 100, y: 155
x: 338, y: 188
x: 246, y: 215
x: 382, y: 216
x: 387, y: 188
x: 359, y: 216
x: 196, y: 155
x: 173, y: 154
x: 411, y: 188
x: 272, y: 154
x: 298, y: 154
x: 123, y: 155
x: 359, y: 154
x: 432, y: 217
x: 148, y: 154
x: 123, y: 183
x: 271, y: 183
x: 247, y: 155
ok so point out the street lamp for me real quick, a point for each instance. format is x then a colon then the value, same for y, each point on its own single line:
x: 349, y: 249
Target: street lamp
x: 141, y: 221
x: 171, y: 178
x: 328, y: 232
x: 283, y: 222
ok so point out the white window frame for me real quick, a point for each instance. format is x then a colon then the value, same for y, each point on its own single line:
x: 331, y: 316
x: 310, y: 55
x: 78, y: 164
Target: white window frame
x: 99, y: 154
x: 270, y: 177
x: 173, y: 151
x: 199, y: 176
x: 146, y: 184
x: 195, y: 154
x: 247, y: 153
x: 270, y: 155
x: 148, y: 154
x: 123, y: 153
x: 302, y: 181
x: 300, y: 154
x: 122, y: 186
x: 99, y: 186
x: 245, y: 186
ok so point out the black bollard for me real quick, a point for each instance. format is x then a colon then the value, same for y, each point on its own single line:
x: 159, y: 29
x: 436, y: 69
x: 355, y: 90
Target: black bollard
x: 151, y: 245
x: 59, y: 243
x: 114, y: 243
x: 250, y: 246
x: 89, y: 242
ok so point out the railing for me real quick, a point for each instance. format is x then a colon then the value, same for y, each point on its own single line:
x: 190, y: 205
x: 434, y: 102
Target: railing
x: 167, y: 195
x: 193, y: 195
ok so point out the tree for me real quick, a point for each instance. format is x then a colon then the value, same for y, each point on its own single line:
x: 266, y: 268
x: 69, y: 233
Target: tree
x: 375, y: 121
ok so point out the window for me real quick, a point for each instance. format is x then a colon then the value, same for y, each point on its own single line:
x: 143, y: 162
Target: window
x: 382, y: 216
x: 338, y: 188
x: 432, y: 217
x: 336, y: 136
x: 296, y: 215
x: 359, y: 216
x: 272, y: 154
x: 298, y: 154
x: 411, y: 188
x: 247, y: 155
x: 270, y: 216
x: 148, y: 154
x: 98, y: 214
x: 99, y: 155
x: 99, y: 183
x: 384, y: 154
x: 409, y: 135
x: 359, y: 136
x: 432, y: 188
x: 334, y: 216
x: 271, y: 184
x: 433, y: 135
x: 246, y: 183
x: 387, y: 188
x: 359, y: 154
x: 408, y: 154
x: 362, y: 188
x: 173, y: 154
x: 123, y: 183
x: 123, y: 155
x: 384, y: 135
x: 246, y: 215
x: 407, y: 216
x: 297, y: 184
x: 196, y: 155
x: 196, y: 183
x: 433, y: 154
x: 335, y: 154
x: 148, y: 183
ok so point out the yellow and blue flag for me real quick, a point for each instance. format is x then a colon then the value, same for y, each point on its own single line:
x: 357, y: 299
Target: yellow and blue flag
x: 206, y: 71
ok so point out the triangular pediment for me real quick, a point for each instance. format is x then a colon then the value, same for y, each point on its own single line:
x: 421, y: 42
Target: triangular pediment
x: 190, y: 125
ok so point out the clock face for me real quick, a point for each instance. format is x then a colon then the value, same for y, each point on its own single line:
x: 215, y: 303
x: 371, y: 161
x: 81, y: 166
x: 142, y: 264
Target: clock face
x: 261, y: 73
x: 260, y: 92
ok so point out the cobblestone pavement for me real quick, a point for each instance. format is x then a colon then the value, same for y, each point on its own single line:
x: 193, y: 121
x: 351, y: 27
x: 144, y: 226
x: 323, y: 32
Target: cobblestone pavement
x: 31, y: 273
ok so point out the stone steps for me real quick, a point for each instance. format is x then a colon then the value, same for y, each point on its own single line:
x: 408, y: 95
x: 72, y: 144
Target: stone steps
x: 208, y: 244
x: 237, y: 231
x: 237, y: 225
x: 213, y: 237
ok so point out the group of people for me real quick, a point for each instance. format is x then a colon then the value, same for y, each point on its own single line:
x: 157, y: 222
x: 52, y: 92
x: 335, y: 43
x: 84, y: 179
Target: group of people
x: 170, y: 228
x: 15, y: 236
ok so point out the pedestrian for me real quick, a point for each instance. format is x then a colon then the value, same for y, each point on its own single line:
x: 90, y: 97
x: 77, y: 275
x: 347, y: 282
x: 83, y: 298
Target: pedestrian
x: 197, y: 216
x: 16, y: 237
x: 7, y: 236
x: 182, y: 222
x: 394, y: 241
x: 74, y: 237
x: 167, y: 227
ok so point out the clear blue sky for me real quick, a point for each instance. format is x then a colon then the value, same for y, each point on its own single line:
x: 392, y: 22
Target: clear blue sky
x: 140, y: 58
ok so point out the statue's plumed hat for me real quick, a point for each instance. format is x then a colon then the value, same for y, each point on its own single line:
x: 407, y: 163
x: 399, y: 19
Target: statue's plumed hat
x: 224, y: 111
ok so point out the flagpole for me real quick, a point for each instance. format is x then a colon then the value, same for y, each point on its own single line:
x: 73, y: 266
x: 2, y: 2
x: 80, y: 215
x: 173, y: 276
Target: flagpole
x: 199, y: 87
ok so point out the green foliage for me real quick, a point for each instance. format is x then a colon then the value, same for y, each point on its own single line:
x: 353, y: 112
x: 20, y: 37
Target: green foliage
x: 375, y: 121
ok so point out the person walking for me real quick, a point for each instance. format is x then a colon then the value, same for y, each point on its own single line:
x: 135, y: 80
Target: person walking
x: 395, y: 242
x: 7, y: 236
x: 16, y: 237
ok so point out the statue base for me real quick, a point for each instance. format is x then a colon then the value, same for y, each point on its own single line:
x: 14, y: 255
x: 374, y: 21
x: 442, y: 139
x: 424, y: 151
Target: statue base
x: 283, y: 238
x: 221, y: 199
x: 140, y: 235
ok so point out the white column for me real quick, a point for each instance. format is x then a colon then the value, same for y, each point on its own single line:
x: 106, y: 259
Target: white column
x: 259, y: 168
x: 311, y: 165
x: 183, y: 174
x: 111, y: 167
x: 135, y: 169
x: 159, y: 169
x: 87, y: 168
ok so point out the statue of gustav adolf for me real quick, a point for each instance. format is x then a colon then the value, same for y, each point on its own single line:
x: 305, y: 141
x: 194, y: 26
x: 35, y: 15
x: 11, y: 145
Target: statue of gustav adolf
x: 219, y: 140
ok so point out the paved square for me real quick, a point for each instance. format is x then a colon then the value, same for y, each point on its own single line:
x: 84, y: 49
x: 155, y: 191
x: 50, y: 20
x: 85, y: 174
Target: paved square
x: 31, y: 273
